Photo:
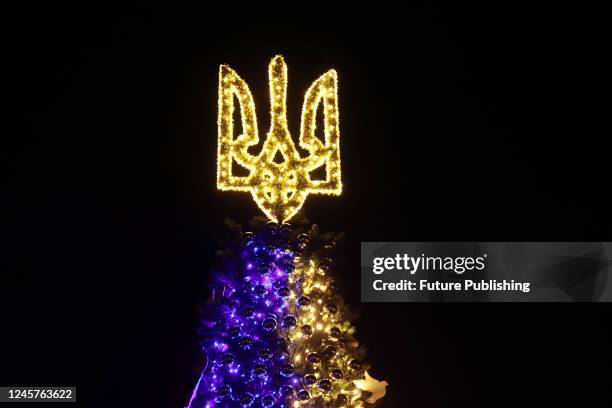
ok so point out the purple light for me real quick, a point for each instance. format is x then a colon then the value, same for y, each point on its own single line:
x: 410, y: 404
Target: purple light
x: 195, y: 390
x: 239, y: 288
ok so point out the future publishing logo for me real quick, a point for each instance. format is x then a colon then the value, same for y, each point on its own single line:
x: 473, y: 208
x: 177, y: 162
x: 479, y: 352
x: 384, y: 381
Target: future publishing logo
x: 413, y: 265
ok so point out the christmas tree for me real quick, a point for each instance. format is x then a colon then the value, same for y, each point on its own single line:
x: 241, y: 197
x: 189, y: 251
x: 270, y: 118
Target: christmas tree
x: 276, y: 332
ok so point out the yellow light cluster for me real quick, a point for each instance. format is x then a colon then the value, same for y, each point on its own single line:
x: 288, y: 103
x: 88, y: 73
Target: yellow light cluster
x: 313, y: 282
x: 279, y: 189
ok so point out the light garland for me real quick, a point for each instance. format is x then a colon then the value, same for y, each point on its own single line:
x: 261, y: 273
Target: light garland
x: 278, y: 333
x: 279, y: 189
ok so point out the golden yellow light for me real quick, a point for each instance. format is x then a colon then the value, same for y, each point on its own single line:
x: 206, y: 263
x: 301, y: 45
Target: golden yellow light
x: 279, y: 189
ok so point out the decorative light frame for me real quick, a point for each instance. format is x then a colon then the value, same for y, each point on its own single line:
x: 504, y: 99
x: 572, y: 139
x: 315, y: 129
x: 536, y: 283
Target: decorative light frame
x: 279, y: 189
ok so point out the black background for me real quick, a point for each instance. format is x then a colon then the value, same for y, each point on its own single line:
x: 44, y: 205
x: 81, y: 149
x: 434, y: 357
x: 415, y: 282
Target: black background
x: 457, y: 124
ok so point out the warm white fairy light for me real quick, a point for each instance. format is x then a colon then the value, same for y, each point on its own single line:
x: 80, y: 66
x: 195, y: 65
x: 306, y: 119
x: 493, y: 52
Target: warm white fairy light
x: 279, y: 189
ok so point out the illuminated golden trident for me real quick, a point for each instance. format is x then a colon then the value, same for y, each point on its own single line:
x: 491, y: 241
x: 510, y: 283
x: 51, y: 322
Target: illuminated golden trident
x: 279, y: 189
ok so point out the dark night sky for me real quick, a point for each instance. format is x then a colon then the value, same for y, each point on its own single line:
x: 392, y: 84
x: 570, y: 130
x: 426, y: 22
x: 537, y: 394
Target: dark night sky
x: 456, y: 124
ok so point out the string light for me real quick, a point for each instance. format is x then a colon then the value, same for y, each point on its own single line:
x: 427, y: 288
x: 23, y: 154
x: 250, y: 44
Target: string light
x: 280, y: 334
x: 279, y: 189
